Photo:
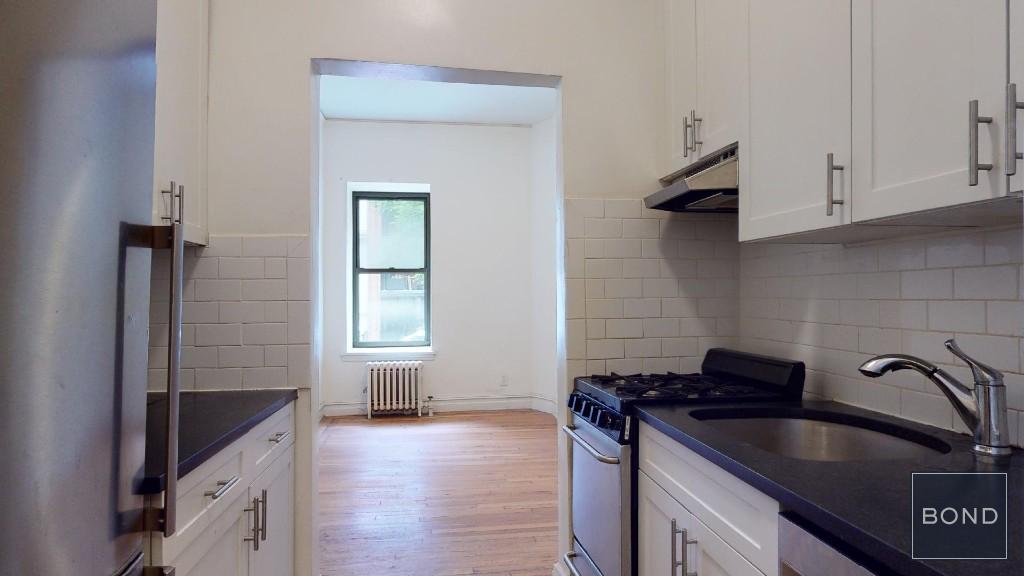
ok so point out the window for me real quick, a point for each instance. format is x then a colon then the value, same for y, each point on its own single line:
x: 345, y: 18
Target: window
x: 391, y: 269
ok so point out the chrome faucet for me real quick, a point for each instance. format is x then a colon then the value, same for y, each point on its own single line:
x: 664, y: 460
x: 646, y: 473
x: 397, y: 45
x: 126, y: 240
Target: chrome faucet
x: 982, y: 409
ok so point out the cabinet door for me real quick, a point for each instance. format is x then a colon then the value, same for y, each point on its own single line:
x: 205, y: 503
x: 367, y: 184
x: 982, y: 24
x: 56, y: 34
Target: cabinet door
x: 220, y: 550
x: 916, y: 66
x: 706, y: 553
x: 799, y: 113
x: 682, y: 79
x: 721, y: 73
x: 1016, y: 40
x: 276, y: 554
x: 182, y: 55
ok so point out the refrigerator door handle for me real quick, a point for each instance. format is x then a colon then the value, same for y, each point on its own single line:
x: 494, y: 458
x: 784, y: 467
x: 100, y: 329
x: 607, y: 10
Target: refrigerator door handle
x: 162, y: 238
x: 174, y: 375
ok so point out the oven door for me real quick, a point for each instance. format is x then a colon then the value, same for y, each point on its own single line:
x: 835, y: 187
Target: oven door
x: 601, y: 497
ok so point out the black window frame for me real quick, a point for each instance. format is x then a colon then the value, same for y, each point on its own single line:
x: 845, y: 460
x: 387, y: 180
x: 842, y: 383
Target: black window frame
x: 357, y: 270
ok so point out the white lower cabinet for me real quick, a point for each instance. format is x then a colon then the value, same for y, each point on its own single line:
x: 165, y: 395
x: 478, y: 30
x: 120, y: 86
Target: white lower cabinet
x: 673, y: 541
x: 733, y: 527
x: 236, y: 511
x: 274, y: 491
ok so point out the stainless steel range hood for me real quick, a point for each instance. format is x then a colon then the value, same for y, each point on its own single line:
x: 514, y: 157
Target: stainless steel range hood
x: 710, y: 184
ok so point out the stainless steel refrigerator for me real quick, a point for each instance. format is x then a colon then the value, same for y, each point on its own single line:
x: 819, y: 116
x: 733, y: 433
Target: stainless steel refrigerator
x: 77, y: 88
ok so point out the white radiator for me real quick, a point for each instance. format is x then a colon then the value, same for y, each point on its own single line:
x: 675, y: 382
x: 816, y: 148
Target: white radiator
x: 394, y: 387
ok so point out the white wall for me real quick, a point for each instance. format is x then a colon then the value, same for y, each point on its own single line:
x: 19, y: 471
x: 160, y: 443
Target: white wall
x: 492, y: 257
x: 835, y: 307
x: 609, y: 53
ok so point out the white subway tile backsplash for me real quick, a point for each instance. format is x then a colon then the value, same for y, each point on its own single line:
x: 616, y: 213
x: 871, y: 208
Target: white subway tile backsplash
x: 660, y: 288
x: 299, y: 279
x: 636, y: 228
x: 641, y: 308
x: 299, y: 322
x: 273, y: 289
x: 604, y: 349
x: 218, y: 290
x: 267, y: 377
x: 604, y: 308
x: 661, y: 327
x: 603, y: 268
x: 602, y: 228
x: 640, y: 268
x: 953, y: 251
x: 276, y: 355
x: 228, y: 325
x: 643, y: 348
x: 926, y: 284
x: 218, y: 334
x: 622, y: 288
x: 275, y: 311
x: 242, y: 312
x: 265, y: 246
x: 622, y: 208
x: 624, y: 328
x: 265, y: 333
x: 840, y: 305
x: 990, y: 282
x: 956, y: 316
x: 240, y: 356
x: 241, y: 268
x: 1006, y: 318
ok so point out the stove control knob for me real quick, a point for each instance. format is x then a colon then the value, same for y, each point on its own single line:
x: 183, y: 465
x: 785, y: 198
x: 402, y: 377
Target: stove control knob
x: 606, y: 420
x: 596, y: 415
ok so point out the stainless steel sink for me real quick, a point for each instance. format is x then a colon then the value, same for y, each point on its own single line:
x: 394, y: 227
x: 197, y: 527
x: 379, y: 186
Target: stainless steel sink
x: 821, y: 435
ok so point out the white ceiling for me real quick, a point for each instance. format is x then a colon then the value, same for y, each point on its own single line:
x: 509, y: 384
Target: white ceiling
x: 344, y: 97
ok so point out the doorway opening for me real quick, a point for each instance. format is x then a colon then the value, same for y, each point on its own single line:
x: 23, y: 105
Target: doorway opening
x: 438, y: 243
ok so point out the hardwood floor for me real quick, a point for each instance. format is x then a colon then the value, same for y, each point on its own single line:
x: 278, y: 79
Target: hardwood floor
x: 456, y: 494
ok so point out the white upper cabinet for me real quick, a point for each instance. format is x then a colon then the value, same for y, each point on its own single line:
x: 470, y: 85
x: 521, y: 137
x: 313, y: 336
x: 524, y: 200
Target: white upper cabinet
x: 799, y: 113
x: 682, y: 79
x: 917, y: 64
x: 182, y: 55
x: 1017, y: 77
x: 722, y: 33
x: 707, y: 77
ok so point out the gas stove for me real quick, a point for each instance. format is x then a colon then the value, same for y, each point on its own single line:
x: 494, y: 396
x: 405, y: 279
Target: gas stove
x: 603, y: 429
x: 605, y: 401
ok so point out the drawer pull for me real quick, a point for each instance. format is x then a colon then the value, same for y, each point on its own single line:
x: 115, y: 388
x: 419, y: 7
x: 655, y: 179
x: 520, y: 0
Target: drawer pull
x: 280, y: 437
x: 223, y: 487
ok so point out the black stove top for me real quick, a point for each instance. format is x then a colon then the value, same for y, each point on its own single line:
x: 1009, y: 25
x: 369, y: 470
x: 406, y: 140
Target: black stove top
x: 620, y: 390
x: 605, y: 400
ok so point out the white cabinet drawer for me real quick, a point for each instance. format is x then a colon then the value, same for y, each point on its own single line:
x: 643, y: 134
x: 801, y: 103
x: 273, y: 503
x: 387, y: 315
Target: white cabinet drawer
x: 740, y: 515
x: 268, y: 439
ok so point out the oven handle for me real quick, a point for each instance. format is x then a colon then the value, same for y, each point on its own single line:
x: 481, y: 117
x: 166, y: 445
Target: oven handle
x: 567, y: 560
x: 571, y: 432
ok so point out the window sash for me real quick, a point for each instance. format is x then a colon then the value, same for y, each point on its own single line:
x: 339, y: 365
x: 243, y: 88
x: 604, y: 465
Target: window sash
x: 357, y: 271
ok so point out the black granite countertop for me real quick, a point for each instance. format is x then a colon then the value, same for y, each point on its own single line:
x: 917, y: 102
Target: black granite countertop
x: 208, y: 421
x: 863, y: 506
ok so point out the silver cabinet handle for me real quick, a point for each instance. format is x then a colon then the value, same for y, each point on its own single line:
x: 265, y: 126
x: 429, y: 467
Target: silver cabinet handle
x: 676, y: 563
x: 263, y: 515
x: 830, y: 189
x: 279, y: 437
x: 590, y: 449
x: 255, y: 538
x: 973, y: 166
x: 694, y: 121
x: 1012, y: 105
x: 567, y: 560
x: 222, y: 488
x: 686, y: 136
